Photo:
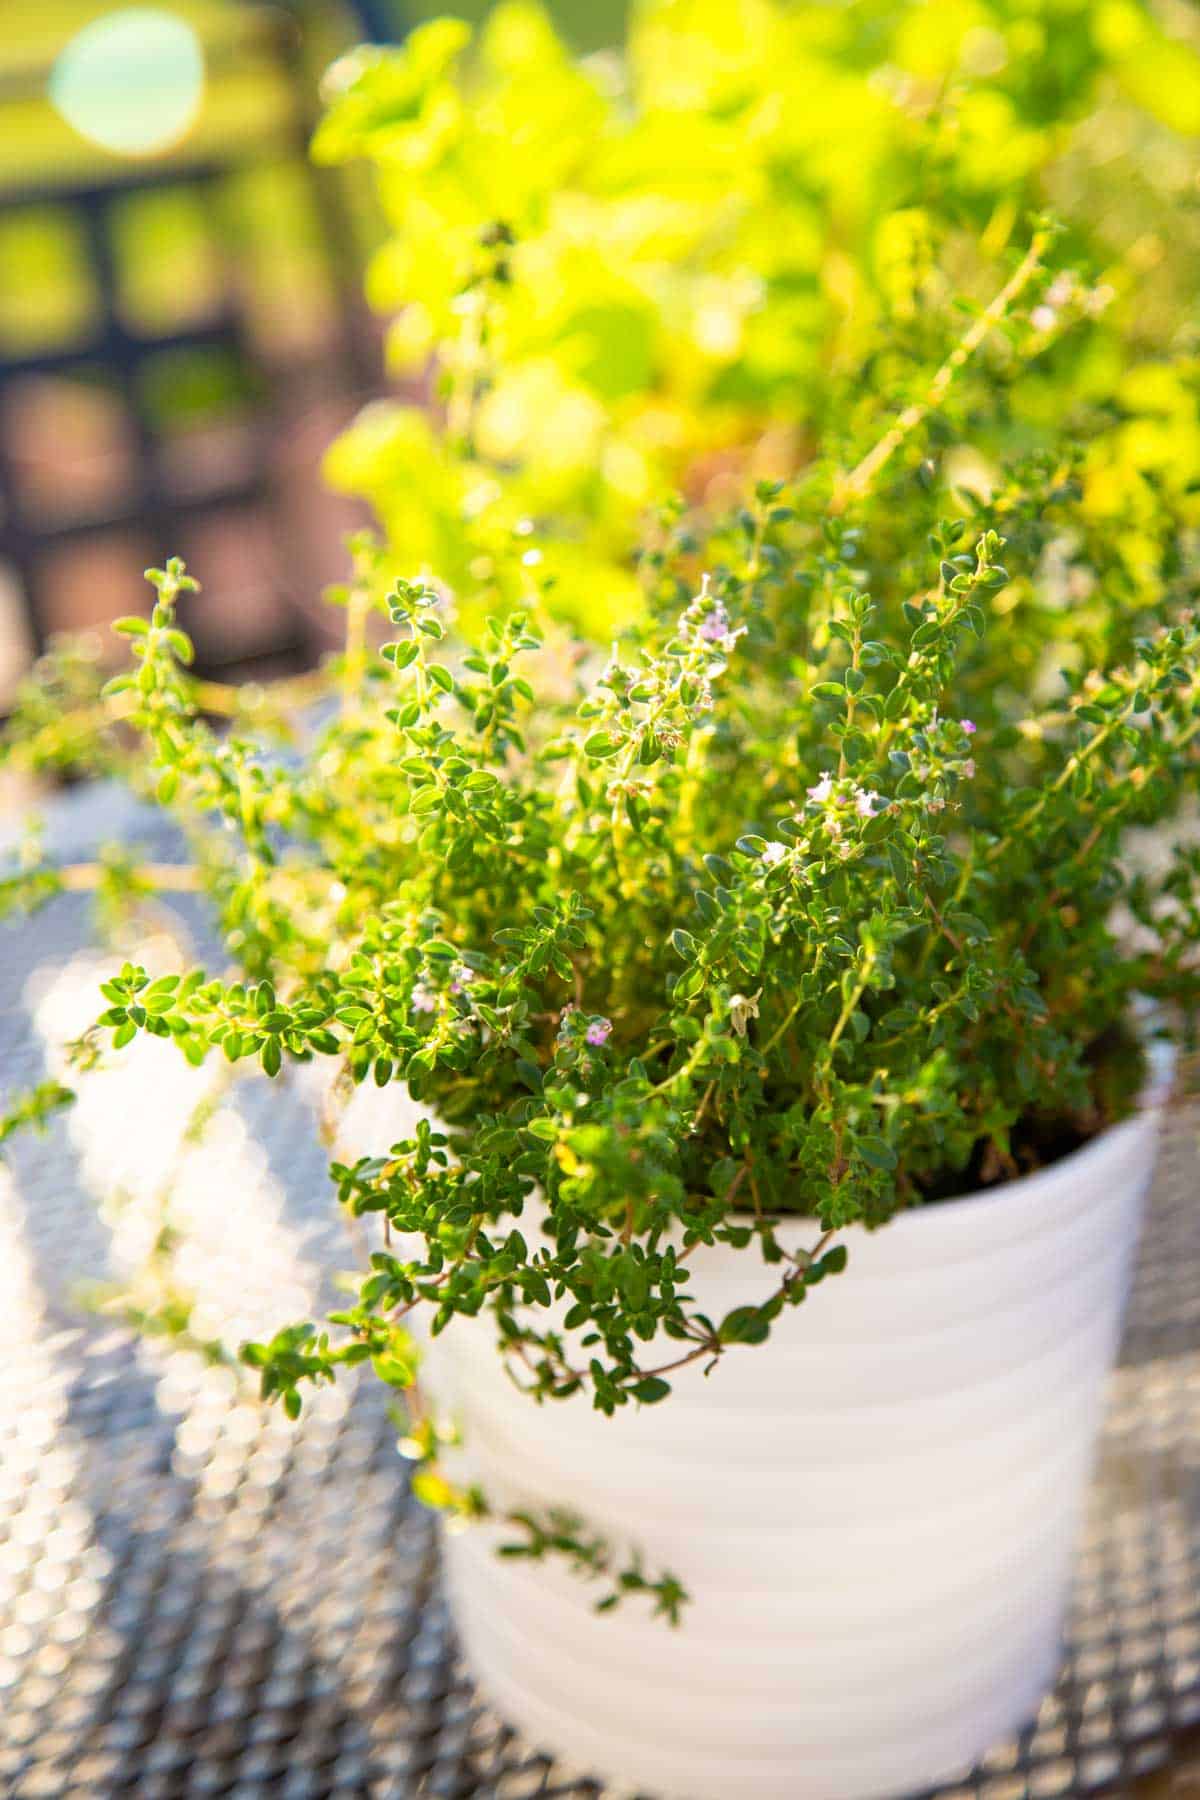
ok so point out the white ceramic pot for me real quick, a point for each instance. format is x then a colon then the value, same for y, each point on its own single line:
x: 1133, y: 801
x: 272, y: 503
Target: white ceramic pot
x: 874, y: 1512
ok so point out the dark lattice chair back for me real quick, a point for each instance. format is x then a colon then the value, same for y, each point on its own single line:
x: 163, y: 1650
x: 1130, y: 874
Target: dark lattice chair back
x: 180, y: 325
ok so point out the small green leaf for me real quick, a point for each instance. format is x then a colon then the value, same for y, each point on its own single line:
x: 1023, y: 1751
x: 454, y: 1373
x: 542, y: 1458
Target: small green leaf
x: 651, y: 1389
x: 745, y: 1325
x: 876, y: 1152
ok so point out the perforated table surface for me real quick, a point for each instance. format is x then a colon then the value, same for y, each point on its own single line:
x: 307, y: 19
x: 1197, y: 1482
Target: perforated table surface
x: 198, y: 1598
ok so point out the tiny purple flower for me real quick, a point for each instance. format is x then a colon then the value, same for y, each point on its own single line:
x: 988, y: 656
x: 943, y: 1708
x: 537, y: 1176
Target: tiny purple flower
x: 968, y: 768
x: 714, y: 627
x: 864, y: 804
x: 969, y: 726
x: 717, y: 629
x: 423, y: 1000
x: 821, y: 792
x: 597, y: 1033
x: 461, y: 978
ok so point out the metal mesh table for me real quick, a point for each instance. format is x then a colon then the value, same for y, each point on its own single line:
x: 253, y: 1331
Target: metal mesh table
x: 197, y: 1598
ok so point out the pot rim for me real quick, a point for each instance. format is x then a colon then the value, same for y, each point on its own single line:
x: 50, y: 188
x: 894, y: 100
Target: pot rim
x: 1148, y: 1107
x: 1003, y: 1207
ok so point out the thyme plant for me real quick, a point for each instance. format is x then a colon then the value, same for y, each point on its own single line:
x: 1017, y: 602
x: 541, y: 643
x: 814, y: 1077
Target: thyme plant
x: 813, y: 897
x: 801, y: 902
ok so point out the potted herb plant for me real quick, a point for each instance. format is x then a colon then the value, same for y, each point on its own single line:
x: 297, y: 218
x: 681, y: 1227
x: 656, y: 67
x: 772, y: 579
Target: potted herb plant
x: 768, y: 1020
x: 753, y: 942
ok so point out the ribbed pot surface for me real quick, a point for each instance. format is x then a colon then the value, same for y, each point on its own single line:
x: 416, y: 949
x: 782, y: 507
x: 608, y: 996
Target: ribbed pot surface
x: 874, y: 1512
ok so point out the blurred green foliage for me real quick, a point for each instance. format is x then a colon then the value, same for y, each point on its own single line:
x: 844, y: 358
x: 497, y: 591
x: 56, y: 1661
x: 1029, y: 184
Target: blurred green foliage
x: 586, y: 24
x: 713, y: 231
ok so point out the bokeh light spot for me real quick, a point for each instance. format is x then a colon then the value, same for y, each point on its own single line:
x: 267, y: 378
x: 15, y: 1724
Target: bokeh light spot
x: 132, y: 81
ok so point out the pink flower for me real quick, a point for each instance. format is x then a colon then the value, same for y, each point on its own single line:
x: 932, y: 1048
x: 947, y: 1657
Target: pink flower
x: 864, y: 804
x: 773, y: 852
x: 968, y: 768
x: 969, y: 726
x: 821, y: 792
x: 597, y: 1033
x: 423, y: 1000
x: 716, y: 626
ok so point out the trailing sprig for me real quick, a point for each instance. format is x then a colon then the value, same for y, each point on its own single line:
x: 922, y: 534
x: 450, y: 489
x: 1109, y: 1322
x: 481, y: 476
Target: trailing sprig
x: 565, y: 1534
x: 35, y: 1106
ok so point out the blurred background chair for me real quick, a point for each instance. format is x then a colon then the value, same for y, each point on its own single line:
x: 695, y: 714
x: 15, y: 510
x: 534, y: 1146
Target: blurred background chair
x: 181, y: 325
x: 181, y: 330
